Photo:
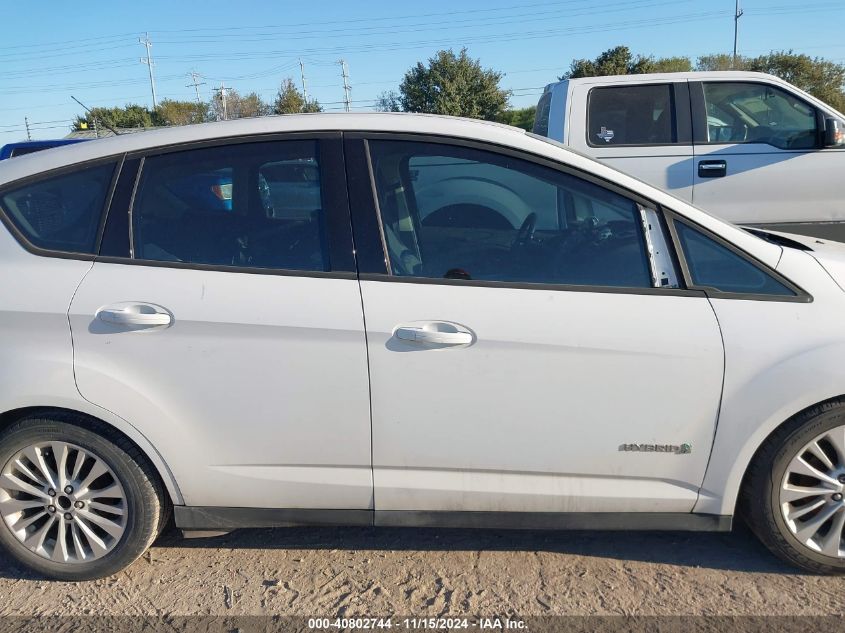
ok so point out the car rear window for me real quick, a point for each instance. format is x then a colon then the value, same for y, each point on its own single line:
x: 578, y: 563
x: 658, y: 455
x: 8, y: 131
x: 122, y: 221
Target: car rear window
x: 631, y: 115
x: 541, y: 118
x: 62, y: 212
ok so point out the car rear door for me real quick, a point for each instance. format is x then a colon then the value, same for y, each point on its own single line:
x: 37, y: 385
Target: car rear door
x: 521, y: 357
x: 223, y: 319
x: 641, y: 129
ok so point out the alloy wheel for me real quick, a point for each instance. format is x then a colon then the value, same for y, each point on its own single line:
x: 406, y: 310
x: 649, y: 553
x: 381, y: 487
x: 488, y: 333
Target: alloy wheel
x: 811, y: 494
x: 62, y: 502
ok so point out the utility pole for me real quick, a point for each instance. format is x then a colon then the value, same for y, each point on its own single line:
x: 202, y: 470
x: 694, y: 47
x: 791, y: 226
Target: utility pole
x: 737, y: 15
x: 345, y: 71
x: 302, y: 75
x: 97, y: 135
x: 194, y: 75
x: 28, y: 135
x: 222, y: 92
x: 149, y: 62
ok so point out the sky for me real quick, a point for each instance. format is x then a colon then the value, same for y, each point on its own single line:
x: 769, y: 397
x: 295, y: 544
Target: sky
x: 52, y: 49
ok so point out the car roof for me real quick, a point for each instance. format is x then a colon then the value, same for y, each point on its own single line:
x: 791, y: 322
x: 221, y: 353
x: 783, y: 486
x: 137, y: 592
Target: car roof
x: 697, y: 75
x: 391, y: 122
x: 315, y: 122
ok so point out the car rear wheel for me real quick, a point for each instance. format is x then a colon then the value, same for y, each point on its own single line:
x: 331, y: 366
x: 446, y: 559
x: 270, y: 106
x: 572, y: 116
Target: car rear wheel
x: 794, y: 493
x: 76, y: 503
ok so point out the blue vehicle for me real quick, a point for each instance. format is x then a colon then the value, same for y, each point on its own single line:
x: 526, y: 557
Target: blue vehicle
x: 28, y: 147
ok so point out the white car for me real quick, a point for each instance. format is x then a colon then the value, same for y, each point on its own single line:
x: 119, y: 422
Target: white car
x: 400, y: 320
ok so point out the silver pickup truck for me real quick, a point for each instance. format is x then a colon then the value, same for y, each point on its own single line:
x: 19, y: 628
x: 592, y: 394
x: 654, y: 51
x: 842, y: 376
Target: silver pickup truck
x: 748, y: 147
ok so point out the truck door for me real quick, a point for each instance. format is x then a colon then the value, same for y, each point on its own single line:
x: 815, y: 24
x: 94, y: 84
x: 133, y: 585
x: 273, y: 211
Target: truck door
x: 641, y: 129
x: 759, y: 158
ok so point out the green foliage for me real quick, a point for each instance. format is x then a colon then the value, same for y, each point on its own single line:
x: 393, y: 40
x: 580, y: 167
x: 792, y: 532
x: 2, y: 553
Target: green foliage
x: 129, y: 116
x: 669, y: 65
x: 237, y: 106
x: 719, y: 61
x: 519, y: 117
x: 289, y: 100
x: 389, y: 101
x: 181, y: 112
x: 452, y: 84
x: 621, y: 61
x: 820, y: 77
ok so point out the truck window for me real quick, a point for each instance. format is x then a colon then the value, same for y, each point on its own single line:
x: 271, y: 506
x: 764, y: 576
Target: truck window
x: 631, y: 115
x: 739, y: 112
x: 541, y: 117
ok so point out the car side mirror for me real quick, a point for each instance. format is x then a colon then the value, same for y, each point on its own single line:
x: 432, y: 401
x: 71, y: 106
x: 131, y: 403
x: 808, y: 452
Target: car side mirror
x: 834, y: 133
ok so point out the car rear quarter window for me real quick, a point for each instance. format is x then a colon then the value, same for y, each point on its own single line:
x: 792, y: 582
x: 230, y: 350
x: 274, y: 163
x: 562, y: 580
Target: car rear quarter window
x: 61, y: 212
x: 631, y: 115
x: 253, y: 205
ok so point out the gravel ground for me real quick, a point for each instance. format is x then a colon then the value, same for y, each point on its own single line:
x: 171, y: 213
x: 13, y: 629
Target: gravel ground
x: 358, y: 571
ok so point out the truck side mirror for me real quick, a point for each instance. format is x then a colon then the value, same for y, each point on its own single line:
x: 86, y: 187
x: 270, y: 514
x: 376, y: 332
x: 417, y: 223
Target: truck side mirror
x: 834, y: 133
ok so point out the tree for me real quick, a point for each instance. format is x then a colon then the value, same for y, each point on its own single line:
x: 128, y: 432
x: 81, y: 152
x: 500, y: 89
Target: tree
x: 452, y: 84
x: 389, y: 101
x: 128, y: 116
x: 719, y: 61
x: 519, y: 117
x: 820, y: 77
x: 621, y: 61
x: 290, y: 101
x: 237, y: 106
x: 182, y: 112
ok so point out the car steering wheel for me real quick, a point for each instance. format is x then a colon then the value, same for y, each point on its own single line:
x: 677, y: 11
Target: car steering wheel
x: 526, y: 231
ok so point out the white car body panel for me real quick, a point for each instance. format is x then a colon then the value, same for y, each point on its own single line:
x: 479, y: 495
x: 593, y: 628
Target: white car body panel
x: 248, y: 392
x: 36, y: 350
x: 531, y: 415
x: 780, y: 358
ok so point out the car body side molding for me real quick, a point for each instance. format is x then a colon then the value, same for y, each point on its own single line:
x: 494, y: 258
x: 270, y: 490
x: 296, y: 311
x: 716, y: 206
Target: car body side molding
x: 193, y: 518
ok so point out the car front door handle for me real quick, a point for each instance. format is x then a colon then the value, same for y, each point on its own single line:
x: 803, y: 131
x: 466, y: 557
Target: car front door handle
x: 139, y: 314
x: 712, y: 169
x: 435, y: 332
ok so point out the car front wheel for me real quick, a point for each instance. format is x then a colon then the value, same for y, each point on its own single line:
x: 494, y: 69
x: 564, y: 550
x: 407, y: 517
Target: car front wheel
x: 76, y: 502
x: 794, y: 497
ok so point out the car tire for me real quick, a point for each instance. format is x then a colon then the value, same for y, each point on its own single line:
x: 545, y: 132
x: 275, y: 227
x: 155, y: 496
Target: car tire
x: 134, y: 509
x: 764, y: 507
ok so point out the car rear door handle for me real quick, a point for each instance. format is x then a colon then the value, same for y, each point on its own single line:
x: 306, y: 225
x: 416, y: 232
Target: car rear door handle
x: 143, y: 314
x: 712, y: 168
x: 436, y: 332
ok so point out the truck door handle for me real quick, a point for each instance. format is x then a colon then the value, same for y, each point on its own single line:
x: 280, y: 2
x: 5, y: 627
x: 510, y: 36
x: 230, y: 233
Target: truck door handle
x: 437, y: 332
x: 143, y: 314
x: 712, y: 169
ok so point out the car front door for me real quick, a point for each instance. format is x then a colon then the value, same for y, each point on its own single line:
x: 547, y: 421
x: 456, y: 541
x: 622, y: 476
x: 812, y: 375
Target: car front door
x: 521, y: 356
x: 643, y: 130
x: 758, y: 158
x: 229, y: 330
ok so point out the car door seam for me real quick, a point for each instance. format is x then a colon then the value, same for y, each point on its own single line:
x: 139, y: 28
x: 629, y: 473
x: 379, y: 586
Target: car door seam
x: 721, y: 401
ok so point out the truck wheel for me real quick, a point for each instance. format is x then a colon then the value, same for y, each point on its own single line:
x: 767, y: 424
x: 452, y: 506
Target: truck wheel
x: 76, y: 504
x: 793, y: 493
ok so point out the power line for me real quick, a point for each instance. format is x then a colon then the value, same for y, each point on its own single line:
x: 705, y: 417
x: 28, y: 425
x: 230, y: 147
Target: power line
x: 145, y: 41
x: 221, y: 91
x: 302, y: 75
x: 345, y: 75
x: 737, y: 16
x: 194, y: 75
